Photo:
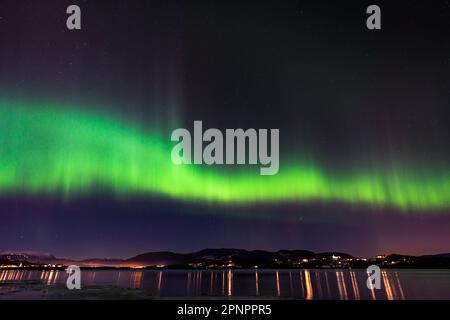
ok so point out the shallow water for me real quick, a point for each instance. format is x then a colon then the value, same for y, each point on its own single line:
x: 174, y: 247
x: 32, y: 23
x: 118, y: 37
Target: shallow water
x: 239, y: 284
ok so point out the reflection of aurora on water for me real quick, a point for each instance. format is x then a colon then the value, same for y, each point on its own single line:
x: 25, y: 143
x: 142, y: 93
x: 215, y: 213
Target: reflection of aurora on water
x: 59, y: 150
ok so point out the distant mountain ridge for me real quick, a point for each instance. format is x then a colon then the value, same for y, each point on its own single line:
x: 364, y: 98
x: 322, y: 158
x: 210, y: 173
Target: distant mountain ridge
x: 240, y: 256
x: 30, y: 256
x: 226, y: 257
x: 222, y: 255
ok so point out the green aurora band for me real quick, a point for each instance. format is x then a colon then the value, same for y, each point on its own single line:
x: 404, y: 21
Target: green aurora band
x: 56, y: 150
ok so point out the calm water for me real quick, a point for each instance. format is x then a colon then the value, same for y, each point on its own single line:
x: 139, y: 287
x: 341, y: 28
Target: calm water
x: 290, y: 284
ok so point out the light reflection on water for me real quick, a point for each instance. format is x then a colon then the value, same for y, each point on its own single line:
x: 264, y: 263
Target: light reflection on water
x: 297, y: 284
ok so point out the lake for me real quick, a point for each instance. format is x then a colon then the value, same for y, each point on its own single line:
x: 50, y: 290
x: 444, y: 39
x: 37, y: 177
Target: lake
x: 230, y: 284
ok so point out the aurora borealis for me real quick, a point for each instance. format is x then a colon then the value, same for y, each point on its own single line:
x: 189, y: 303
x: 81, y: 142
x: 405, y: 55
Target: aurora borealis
x: 86, y: 118
x: 46, y: 149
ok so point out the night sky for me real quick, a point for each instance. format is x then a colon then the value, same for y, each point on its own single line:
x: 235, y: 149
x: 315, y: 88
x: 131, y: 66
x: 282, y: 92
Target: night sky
x: 86, y: 118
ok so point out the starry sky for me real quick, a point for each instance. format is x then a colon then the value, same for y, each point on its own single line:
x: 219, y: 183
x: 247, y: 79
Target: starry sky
x: 86, y: 118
